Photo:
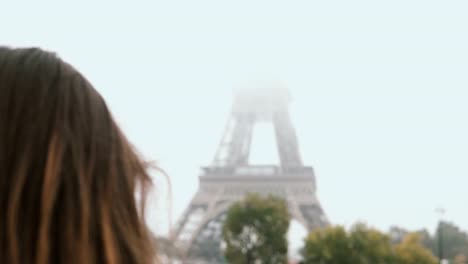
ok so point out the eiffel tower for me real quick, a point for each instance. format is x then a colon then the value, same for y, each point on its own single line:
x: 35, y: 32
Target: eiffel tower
x: 230, y: 177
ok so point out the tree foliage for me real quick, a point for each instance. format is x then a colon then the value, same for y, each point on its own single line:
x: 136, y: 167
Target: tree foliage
x: 454, y: 240
x: 363, y: 245
x: 255, y: 231
x: 336, y: 246
x: 411, y: 251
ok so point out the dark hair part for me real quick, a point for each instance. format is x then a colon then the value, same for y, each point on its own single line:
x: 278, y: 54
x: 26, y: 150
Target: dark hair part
x: 68, y: 176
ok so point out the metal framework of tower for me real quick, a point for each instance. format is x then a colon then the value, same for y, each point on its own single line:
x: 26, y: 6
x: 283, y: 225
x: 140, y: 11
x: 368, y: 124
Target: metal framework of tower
x: 231, y: 177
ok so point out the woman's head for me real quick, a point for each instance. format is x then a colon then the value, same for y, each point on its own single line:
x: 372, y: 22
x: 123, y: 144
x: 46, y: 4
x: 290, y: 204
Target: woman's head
x: 68, y: 176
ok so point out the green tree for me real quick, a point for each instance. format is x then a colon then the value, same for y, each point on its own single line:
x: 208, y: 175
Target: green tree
x: 327, y: 246
x: 333, y: 245
x: 370, y: 245
x: 455, y: 241
x: 364, y: 245
x: 255, y: 231
x: 411, y: 251
x: 397, y: 234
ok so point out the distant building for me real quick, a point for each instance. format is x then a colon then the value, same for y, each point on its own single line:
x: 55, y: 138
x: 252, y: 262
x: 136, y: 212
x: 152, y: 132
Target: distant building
x: 230, y: 177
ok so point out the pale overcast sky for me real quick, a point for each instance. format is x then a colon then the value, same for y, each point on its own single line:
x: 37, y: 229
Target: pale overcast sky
x: 380, y: 90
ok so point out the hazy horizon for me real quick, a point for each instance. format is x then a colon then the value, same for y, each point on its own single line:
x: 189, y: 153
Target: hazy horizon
x: 379, y: 91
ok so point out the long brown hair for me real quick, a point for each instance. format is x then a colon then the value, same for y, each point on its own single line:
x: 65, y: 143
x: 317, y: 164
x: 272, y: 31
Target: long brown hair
x: 68, y: 176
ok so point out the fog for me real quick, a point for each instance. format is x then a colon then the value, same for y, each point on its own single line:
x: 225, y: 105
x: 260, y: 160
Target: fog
x: 379, y: 91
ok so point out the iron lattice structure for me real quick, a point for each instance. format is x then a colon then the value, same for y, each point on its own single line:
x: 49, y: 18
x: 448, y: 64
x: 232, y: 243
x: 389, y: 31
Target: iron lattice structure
x: 231, y: 177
